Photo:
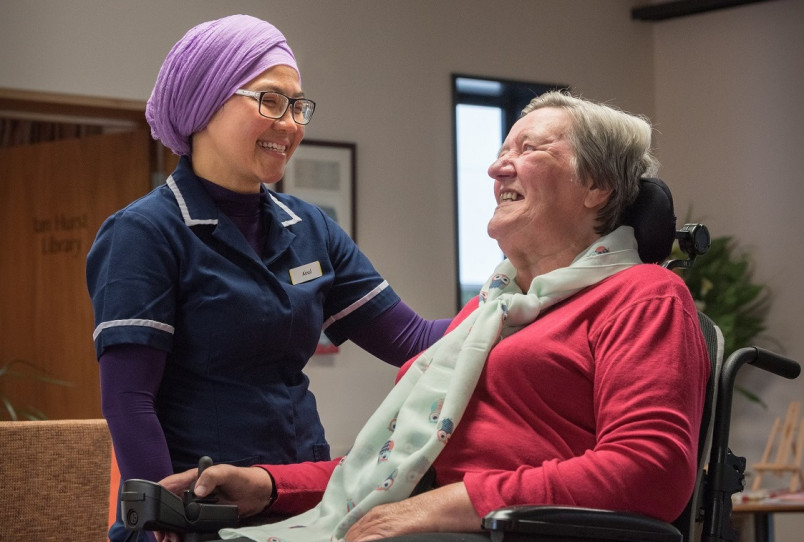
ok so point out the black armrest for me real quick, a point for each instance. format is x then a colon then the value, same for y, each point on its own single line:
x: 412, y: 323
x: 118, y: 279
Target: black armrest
x: 567, y: 523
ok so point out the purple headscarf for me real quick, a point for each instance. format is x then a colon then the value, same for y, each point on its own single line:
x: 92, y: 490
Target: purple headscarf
x: 204, y: 69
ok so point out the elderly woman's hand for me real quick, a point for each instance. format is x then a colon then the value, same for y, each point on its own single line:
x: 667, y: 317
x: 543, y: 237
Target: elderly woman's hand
x: 447, y: 509
x: 247, y: 487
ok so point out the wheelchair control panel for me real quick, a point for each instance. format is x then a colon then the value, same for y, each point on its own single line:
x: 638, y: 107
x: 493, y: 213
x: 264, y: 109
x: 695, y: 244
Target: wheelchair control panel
x: 147, y: 506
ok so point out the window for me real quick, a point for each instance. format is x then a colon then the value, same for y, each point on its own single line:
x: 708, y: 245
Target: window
x: 484, y: 111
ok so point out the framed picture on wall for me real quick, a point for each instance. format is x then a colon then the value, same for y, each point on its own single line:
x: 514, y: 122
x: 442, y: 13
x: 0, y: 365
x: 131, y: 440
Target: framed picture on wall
x: 323, y: 173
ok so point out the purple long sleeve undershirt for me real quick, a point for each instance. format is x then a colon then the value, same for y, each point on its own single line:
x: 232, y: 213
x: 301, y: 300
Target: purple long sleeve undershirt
x: 130, y: 374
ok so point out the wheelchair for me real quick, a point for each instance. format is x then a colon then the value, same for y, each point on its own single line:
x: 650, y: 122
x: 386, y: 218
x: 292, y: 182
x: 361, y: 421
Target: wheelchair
x: 707, y: 516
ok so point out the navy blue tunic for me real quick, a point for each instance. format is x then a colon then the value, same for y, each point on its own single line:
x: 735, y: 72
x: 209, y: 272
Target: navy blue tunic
x: 173, y: 272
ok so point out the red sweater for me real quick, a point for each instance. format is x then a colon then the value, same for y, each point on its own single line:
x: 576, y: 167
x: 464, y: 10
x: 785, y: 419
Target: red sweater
x: 597, y: 403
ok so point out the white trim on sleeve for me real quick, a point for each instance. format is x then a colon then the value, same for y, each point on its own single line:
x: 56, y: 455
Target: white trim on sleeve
x: 357, y: 304
x: 132, y: 322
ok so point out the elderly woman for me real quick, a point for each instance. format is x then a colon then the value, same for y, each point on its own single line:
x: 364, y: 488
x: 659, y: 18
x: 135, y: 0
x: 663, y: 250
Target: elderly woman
x: 211, y: 292
x: 576, y: 377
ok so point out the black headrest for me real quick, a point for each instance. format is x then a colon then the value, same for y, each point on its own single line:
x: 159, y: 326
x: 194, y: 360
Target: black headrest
x: 654, y: 220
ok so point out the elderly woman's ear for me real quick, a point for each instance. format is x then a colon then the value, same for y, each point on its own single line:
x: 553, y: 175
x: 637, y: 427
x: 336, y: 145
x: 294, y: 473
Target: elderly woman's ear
x: 596, y: 197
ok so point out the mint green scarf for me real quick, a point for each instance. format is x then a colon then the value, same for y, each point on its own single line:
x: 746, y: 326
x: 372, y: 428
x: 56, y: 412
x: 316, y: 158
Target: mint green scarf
x: 415, y: 421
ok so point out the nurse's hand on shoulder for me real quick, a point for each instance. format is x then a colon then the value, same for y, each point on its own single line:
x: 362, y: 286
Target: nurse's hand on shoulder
x: 249, y: 488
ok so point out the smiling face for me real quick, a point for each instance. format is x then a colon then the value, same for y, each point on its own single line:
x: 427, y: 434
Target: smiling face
x: 545, y: 215
x: 239, y: 149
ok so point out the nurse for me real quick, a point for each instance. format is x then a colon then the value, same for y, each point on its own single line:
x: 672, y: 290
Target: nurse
x: 210, y: 293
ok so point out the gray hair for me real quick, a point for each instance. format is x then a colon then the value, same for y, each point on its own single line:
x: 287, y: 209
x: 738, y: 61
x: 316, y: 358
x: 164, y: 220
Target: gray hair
x: 612, y: 150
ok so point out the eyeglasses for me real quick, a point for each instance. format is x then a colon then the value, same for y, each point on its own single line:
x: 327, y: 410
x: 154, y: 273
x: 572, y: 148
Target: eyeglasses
x: 274, y: 105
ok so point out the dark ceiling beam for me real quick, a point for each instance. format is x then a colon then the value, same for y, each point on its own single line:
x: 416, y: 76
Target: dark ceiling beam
x: 682, y: 8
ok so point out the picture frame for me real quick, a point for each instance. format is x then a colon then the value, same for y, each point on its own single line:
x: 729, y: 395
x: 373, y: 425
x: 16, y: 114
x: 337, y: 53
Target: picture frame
x: 323, y: 173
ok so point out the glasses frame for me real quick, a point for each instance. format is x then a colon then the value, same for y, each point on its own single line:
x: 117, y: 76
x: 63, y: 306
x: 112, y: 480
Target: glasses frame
x: 258, y: 94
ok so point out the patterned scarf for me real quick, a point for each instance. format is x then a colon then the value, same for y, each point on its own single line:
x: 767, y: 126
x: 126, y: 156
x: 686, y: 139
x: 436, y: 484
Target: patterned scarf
x: 415, y: 421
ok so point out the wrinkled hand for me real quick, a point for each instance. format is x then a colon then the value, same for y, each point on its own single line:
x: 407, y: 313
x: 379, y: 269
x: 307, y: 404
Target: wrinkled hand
x: 248, y: 487
x: 387, y: 520
x: 447, y: 509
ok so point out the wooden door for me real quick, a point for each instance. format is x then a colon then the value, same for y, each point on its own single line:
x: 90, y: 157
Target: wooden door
x: 53, y: 198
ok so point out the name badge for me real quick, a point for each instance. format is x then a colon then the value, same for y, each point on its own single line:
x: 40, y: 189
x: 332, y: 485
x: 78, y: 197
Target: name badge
x: 305, y: 273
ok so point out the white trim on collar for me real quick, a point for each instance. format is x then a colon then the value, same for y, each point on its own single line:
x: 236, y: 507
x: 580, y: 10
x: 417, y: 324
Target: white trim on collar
x: 185, y: 213
x: 294, y: 218
x: 190, y: 221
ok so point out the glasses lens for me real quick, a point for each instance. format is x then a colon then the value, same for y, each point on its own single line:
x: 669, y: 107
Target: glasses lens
x: 303, y: 111
x: 273, y: 105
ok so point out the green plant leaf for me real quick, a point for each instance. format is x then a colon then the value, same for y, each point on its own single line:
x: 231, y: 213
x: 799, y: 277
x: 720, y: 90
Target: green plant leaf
x: 32, y: 371
x: 12, y: 413
x: 22, y: 369
x: 751, y: 396
x: 722, y: 286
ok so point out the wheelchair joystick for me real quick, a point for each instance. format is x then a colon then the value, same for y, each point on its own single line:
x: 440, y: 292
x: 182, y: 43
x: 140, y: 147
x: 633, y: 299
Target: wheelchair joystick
x: 147, y: 506
x: 192, y: 503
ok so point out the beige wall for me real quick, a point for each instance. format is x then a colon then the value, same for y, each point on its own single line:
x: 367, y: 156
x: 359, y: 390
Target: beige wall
x: 728, y: 96
x: 724, y: 89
